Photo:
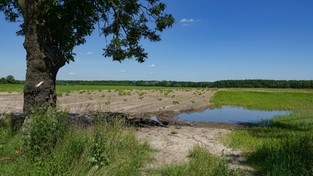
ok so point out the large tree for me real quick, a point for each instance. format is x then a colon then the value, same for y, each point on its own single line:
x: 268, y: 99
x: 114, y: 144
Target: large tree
x: 52, y: 28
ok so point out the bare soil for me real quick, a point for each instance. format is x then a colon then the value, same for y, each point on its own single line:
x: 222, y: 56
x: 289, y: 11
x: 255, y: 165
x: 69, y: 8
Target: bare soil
x: 173, y: 143
x: 135, y: 102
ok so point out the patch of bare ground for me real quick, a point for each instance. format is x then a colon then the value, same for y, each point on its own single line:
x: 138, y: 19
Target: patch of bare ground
x: 172, y: 145
x: 134, y: 102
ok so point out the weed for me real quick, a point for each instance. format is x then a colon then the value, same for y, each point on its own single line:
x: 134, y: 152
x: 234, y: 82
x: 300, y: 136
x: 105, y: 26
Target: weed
x: 175, y: 102
x: 42, y: 131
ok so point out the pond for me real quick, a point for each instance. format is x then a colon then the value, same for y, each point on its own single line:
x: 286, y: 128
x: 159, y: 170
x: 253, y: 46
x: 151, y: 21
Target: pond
x: 229, y: 115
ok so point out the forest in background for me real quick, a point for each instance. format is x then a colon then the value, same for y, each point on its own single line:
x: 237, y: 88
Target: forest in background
x: 248, y: 83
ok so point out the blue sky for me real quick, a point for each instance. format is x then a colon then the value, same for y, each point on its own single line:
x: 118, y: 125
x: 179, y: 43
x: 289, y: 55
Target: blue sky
x: 210, y: 40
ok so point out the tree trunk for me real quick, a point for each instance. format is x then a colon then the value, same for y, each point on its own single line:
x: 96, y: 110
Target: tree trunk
x: 39, y: 88
x: 43, y: 60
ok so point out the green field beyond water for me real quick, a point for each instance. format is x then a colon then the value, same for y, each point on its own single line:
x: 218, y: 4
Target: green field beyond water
x: 282, y: 146
x: 71, y: 88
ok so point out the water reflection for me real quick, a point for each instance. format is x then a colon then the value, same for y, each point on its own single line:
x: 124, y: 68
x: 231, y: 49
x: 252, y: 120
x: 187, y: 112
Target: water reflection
x: 229, y: 115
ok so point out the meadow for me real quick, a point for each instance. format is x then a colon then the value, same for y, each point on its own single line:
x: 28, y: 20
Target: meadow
x: 281, y: 146
x: 72, y: 88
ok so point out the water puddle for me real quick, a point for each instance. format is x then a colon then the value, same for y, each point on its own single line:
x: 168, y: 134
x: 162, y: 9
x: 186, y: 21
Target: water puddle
x: 229, y: 115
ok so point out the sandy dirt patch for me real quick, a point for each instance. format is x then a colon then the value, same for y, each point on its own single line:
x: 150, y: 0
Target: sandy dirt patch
x: 173, y: 144
x: 134, y: 102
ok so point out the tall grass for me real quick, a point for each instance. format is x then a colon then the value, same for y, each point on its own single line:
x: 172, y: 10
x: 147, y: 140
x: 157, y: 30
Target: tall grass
x: 281, y: 146
x: 108, y: 148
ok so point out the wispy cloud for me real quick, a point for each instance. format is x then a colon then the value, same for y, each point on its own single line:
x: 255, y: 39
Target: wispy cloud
x: 186, y: 20
x: 72, y: 73
x: 123, y: 71
x: 152, y: 66
x: 189, y: 21
x: 89, y: 53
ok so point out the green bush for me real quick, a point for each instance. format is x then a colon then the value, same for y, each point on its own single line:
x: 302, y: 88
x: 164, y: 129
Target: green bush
x: 42, y: 130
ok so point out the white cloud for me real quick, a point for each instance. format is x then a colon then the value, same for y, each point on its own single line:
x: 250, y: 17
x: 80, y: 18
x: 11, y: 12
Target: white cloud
x: 72, y: 73
x: 123, y: 71
x: 152, y: 65
x: 185, y: 20
x: 89, y: 53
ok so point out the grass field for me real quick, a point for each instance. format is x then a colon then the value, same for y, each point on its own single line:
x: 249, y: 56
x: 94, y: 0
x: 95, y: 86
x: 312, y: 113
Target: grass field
x: 71, y: 88
x: 281, y: 146
x: 293, y: 101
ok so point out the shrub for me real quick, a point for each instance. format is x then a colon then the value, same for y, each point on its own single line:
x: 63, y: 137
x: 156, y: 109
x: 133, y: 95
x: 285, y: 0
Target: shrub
x: 42, y: 130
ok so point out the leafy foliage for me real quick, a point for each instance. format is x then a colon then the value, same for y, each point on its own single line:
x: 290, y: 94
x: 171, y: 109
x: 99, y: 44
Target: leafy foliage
x: 66, y: 23
x: 43, y: 131
x: 8, y: 80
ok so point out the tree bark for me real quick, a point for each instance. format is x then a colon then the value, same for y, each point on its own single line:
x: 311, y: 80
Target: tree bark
x: 43, y: 61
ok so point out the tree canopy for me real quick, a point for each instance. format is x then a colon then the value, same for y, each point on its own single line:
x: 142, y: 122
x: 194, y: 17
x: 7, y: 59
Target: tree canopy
x: 66, y: 23
x: 52, y: 28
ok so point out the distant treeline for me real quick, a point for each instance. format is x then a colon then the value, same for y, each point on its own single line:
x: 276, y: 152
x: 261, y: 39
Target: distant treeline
x: 250, y: 83
x: 217, y: 84
x: 9, y: 80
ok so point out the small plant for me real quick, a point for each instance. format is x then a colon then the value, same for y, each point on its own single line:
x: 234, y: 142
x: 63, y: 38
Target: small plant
x: 173, y: 132
x: 99, y: 157
x: 123, y: 93
x: 159, y: 99
x: 175, y: 102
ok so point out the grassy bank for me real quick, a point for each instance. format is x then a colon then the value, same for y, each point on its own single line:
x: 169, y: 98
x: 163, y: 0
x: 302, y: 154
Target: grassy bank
x: 50, y: 146
x: 281, y: 146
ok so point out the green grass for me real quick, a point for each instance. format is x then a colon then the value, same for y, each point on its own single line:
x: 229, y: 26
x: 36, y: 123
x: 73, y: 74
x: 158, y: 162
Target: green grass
x: 11, y: 87
x: 108, y: 148
x: 281, y: 146
x: 70, y: 88
x: 265, y: 100
x: 201, y: 163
